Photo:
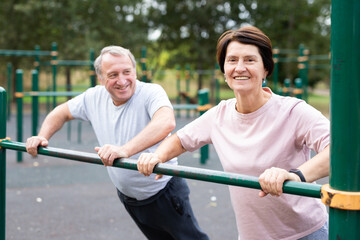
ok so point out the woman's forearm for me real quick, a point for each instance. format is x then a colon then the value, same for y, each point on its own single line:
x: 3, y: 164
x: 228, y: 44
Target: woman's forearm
x: 171, y: 147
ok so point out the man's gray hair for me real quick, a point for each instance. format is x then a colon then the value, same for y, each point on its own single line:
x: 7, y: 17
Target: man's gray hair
x: 113, y: 50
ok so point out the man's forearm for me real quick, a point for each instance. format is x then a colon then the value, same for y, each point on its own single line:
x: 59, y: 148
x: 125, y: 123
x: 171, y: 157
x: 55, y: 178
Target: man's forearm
x: 54, y: 121
x: 159, y: 127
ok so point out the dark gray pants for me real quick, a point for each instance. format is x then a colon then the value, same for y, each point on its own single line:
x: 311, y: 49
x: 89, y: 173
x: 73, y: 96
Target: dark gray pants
x: 167, y: 214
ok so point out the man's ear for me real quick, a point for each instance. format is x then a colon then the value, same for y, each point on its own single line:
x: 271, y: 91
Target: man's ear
x: 100, y: 79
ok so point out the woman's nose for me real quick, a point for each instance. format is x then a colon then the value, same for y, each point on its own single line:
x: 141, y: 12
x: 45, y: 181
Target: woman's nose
x: 240, y: 67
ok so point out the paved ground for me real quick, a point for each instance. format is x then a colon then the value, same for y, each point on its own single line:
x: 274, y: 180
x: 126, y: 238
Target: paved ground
x: 51, y: 198
x: 57, y: 199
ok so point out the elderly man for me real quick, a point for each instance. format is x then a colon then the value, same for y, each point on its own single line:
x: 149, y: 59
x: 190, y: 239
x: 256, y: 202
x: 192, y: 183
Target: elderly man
x: 130, y: 117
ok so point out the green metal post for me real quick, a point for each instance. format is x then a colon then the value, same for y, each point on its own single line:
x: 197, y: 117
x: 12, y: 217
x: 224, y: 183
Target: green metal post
x: 178, y: 99
x: 92, y: 68
x: 217, y: 83
x: 143, y: 64
x: 203, y: 99
x: 37, y: 68
x: 303, y: 69
x: 9, y: 87
x: 187, y: 87
x: 305, y: 81
x: 286, y: 88
x: 54, y: 54
x: 37, y: 58
x: 3, y: 106
x: 298, y: 88
x: 275, y: 73
x: 345, y: 114
x: 79, y: 131
x: 19, y: 103
x: 35, y: 102
x: 48, y: 100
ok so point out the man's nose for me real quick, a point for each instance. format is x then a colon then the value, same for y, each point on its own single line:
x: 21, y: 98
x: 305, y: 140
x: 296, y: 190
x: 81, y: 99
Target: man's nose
x: 120, y: 79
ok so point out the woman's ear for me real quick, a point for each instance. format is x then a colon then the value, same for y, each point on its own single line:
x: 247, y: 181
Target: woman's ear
x: 265, y: 74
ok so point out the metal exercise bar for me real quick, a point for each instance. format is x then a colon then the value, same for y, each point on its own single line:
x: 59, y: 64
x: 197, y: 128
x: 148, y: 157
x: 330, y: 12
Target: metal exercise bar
x: 46, y: 94
x: 24, y: 53
x: 68, y: 63
x: 290, y: 187
x: 185, y: 106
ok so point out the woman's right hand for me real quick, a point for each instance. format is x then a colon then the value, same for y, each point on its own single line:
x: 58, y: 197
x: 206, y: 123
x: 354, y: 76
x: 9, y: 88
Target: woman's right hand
x: 147, y: 162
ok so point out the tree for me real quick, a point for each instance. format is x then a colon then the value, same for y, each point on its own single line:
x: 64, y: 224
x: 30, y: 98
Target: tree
x: 193, y: 26
x: 189, y: 29
x: 76, y: 26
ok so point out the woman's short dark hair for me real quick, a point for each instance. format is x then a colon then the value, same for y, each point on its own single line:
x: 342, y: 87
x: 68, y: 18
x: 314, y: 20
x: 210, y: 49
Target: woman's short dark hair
x: 246, y: 35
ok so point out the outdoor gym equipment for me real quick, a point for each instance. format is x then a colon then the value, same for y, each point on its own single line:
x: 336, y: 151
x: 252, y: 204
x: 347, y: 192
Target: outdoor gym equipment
x: 53, y: 63
x: 297, y: 188
x: 34, y: 94
x: 202, y: 106
x: 342, y: 195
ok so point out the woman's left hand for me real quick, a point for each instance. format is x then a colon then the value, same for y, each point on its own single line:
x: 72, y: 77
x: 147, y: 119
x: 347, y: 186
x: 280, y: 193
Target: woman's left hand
x: 272, y: 181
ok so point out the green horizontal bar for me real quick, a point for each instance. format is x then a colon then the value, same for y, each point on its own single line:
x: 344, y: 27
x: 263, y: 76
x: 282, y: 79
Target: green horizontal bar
x: 50, y: 94
x: 319, y: 66
x: 73, y: 63
x: 290, y: 187
x: 288, y: 59
x: 185, y: 106
x: 288, y: 51
x: 68, y: 63
x: 27, y: 53
x: 319, y: 57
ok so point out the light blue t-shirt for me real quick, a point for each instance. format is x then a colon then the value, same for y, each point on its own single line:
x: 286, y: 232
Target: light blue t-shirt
x: 117, y: 125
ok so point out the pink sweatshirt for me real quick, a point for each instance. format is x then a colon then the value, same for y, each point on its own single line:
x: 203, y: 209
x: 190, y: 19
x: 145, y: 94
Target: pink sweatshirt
x: 279, y: 134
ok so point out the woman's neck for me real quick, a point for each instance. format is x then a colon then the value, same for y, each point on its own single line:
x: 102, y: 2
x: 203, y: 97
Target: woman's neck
x: 248, y: 103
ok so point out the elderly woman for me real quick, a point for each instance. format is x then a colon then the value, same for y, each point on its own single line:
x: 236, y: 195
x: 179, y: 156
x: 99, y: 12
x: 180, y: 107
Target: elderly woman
x: 262, y: 134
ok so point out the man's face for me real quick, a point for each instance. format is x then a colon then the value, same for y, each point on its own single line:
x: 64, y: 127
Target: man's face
x: 118, y: 77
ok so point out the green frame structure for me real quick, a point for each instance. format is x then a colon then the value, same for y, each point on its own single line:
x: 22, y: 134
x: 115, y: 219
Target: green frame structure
x: 297, y: 188
x: 345, y: 115
x: 344, y: 220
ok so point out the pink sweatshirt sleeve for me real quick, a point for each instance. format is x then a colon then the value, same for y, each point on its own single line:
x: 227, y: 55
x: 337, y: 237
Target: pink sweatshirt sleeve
x: 197, y: 133
x: 313, y: 128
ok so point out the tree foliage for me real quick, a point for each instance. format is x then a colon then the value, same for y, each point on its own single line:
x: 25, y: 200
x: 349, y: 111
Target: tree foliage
x: 193, y: 27
x: 187, y: 29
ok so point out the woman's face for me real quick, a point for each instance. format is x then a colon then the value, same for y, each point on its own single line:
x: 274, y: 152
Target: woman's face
x: 243, y: 67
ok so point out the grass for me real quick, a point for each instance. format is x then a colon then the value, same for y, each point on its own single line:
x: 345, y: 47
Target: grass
x: 320, y: 102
